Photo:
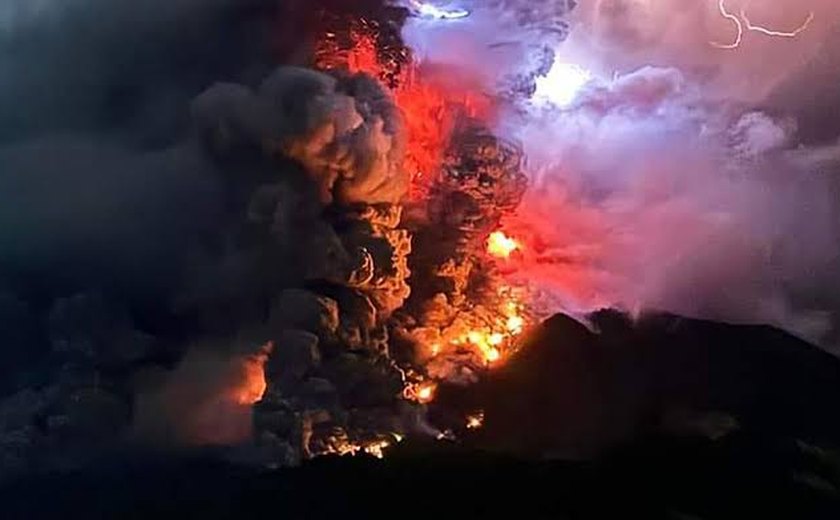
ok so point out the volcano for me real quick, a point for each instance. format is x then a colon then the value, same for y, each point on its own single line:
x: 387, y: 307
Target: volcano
x: 506, y: 255
x: 667, y: 416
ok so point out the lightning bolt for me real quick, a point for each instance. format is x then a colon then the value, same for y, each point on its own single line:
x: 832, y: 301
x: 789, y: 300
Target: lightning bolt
x: 738, y: 25
x: 743, y: 23
x: 770, y: 32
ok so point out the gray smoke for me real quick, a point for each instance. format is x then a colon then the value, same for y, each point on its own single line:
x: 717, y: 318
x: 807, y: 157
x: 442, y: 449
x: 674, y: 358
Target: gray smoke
x: 159, y: 228
x: 682, y: 177
x: 349, y: 141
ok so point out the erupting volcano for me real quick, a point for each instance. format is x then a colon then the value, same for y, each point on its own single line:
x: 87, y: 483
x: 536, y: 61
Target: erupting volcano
x: 284, y: 234
x: 471, y: 266
x: 455, y: 316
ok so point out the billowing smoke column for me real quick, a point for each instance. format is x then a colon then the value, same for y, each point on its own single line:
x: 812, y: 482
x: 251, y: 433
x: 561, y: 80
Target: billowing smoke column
x: 299, y: 264
x: 460, y: 318
x: 667, y: 170
x: 331, y: 380
x: 247, y: 278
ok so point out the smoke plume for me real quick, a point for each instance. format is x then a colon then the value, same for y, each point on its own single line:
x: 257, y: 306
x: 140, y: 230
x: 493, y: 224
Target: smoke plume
x: 172, y: 201
x: 179, y: 187
x: 681, y: 176
x: 206, y: 400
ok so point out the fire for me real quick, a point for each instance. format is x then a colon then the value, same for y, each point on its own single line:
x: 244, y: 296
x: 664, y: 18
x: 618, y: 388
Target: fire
x: 475, y: 421
x: 487, y: 343
x: 466, y: 332
x: 501, y: 245
x: 252, y: 384
x: 430, y: 108
x: 515, y: 324
x: 376, y: 448
x: 423, y: 392
x: 488, y: 332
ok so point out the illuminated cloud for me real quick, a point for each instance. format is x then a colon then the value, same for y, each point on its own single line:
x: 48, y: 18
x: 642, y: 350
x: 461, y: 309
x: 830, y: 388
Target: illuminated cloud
x: 562, y: 84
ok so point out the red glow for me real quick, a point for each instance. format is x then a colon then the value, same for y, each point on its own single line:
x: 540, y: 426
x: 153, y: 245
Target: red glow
x: 431, y: 101
x: 561, y: 259
x: 430, y: 109
x: 251, y: 384
x: 363, y: 57
x: 501, y: 246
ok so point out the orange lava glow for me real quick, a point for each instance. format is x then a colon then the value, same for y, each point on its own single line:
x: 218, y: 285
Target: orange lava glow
x: 430, y: 101
x: 475, y: 421
x: 430, y: 110
x: 563, y: 259
x: 252, y: 384
x: 488, y: 333
x: 422, y: 392
x: 515, y: 324
x: 501, y: 245
x: 499, y: 334
x: 426, y: 392
x: 375, y: 448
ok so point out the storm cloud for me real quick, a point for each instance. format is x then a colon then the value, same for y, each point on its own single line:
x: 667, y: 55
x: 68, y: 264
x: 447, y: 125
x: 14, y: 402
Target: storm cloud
x: 683, y: 176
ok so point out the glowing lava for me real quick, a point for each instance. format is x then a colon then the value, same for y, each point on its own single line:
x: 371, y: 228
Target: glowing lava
x: 252, y: 383
x: 501, y: 245
x: 429, y: 107
x: 421, y: 392
x: 515, y: 324
x: 468, y: 332
x: 475, y: 421
x: 489, y: 332
x: 375, y: 448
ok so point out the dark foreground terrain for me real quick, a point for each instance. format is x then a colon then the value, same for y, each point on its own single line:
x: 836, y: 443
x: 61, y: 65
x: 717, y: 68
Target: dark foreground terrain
x: 680, y: 478
x: 661, y: 417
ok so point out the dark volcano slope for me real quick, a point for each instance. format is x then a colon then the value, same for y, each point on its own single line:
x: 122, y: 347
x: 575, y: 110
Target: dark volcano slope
x: 572, y: 391
x: 739, y: 477
x: 661, y: 417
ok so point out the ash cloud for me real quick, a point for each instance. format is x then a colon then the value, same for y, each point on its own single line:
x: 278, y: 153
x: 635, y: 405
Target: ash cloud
x: 130, y: 68
x: 150, y: 218
x: 697, y: 212
x: 206, y: 400
x: 155, y: 227
x: 104, y: 186
x: 683, y: 177
x: 99, y: 177
x: 623, y: 35
x: 347, y: 135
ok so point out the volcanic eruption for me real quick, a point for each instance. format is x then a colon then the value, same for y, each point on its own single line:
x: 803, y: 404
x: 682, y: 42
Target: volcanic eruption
x: 384, y: 187
x: 464, y: 266
x: 347, y: 239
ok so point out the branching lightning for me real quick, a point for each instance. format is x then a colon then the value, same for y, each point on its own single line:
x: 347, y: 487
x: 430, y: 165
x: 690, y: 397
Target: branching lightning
x: 738, y: 25
x: 743, y: 23
x: 770, y: 32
